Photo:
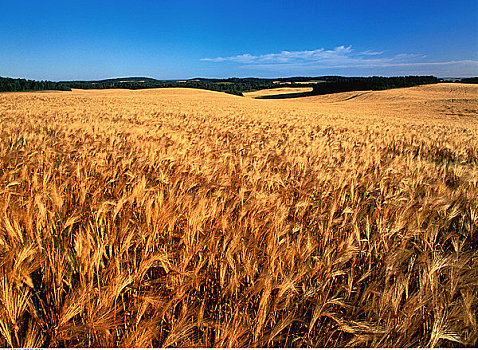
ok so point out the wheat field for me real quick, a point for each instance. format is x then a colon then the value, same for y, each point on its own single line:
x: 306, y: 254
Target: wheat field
x: 277, y: 91
x: 178, y: 217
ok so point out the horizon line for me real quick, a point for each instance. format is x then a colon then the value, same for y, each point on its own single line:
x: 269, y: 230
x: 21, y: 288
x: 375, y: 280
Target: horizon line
x: 241, y: 77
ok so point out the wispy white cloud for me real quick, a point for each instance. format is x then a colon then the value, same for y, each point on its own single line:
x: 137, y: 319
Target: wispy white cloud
x: 468, y: 65
x: 288, y: 56
x: 339, y: 57
x: 371, y: 52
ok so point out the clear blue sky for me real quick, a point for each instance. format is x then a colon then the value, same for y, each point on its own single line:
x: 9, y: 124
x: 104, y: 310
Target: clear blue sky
x: 174, y: 39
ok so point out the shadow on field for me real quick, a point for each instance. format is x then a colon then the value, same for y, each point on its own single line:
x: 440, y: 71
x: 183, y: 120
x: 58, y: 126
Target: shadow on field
x: 291, y: 95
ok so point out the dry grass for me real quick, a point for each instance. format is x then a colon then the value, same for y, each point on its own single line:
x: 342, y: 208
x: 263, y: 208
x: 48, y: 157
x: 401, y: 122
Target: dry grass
x: 276, y: 91
x: 178, y: 217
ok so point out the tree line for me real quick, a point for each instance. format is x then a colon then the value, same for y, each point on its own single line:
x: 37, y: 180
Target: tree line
x: 11, y: 84
x: 235, y: 86
x: 473, y: 80
x: 321, y: 85
x: 343, y: 84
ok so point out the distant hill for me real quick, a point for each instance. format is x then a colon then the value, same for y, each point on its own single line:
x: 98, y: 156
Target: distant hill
x: 237, y: 86
x: 371, y: 83
x: 234, y: 86
x: 469, y: 80
x: 128, y: 79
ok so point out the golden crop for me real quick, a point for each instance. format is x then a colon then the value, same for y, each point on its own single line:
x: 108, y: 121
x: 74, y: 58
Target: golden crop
x: 176, y: 217
x: 276, y: 91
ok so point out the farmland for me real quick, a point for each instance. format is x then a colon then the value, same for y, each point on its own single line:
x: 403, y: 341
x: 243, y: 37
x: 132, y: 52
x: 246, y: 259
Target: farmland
x: 182, y: 217
x: 277, y: 91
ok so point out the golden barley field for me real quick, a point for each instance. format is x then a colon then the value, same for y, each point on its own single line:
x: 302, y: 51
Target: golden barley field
x: 177, y: 217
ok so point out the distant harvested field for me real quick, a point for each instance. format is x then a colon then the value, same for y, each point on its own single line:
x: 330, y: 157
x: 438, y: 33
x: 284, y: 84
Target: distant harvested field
x: 299, y: 82
x: 276, y: 91
x: 180, y: 217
